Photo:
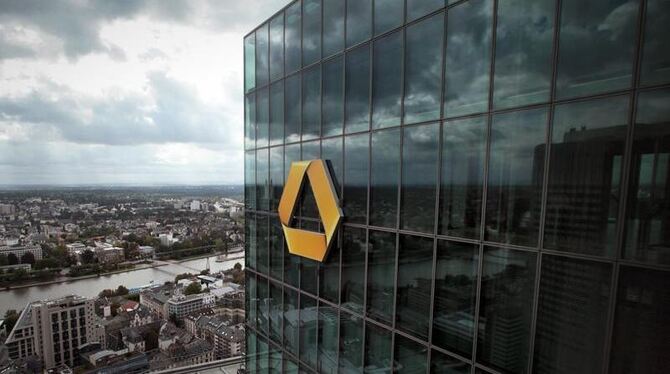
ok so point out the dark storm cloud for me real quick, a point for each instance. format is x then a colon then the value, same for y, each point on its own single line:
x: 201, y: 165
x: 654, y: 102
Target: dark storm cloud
x: 175, y: 114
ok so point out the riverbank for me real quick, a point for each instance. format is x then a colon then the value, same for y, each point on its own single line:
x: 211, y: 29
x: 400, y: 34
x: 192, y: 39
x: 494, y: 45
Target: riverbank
x: 200, y: 257
x: 65, y: 279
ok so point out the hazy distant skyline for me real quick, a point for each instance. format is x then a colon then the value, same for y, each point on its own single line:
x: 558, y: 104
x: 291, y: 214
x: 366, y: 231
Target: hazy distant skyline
x: 123, y: 92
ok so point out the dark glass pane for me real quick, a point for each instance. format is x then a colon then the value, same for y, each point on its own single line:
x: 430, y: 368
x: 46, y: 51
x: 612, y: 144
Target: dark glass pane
x: 359, y: 21
x: 250, y: 243
x: 596, y: 48
x: 648, y: 210
x: 355, y: 178
x: 333, y: 26
x: 292, y: 109
x: 419, y: 177
x: 423, y: 59
x: 292, y: 37
x: 351, y: 343
x: 377, y: 349
x: 328, y: 339
x: 251, y: 351
x: 310, y: 151
x: 275, y: 360
x: 262, y: 179
x: 455, y: 294
x: 291, y: 268
x: 331, y: 152
x: 415, y: 263
x: 574, y: 298
x: 262, y: 228
x: 308, y: 328
x: 252, y: 305
x: 309, y: 268
x: 515, y: 177
x: 277, y: 113
x: 289, y: 366
x: 276, y: 249
x: 641, y: 323
x: 249, y: 63
x: 262, y: 45
x: 388, y: 15
x: 410, y: 357
x: 385, y: 164
x: 263, y: 302
x: 505, y: 309
x: 311, y: 31
x: 250, y: 121
x: 291, y: 154
x: 357, y: 75
x: 656, y: 49
x: 381, y: 275
x: 419, y: 8
x: 262, y: 354
x: 353, y: 268
x: 262, y: 117
x: 291, y: 322
x: 333, y: 88
x: 311, y: 103
x: 588, y: 141
x: 329, y: 274
x: 523, y: 55
x: 468, y: 65
x: 443, y: 364
x: 250, y: 180
x: 386, y: 81
x: 463, y: 154
x: 277, y: 47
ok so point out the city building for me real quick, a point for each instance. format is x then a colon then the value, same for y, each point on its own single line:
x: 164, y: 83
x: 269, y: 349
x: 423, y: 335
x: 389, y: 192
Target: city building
x: 54, y: 329
x: 20, y: 251
x: 502, y: 168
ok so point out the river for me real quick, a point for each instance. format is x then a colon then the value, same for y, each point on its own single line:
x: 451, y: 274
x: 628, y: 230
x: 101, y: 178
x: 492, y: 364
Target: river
x: 18, y: 298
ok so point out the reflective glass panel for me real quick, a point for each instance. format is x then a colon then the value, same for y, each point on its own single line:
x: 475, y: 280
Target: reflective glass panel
x: 291, y: 321
x: 310, y: 151
x: 250, y: 179
x: 384, y: 177
x: 656, y: 50
x: 388, y: 15
x: 308, y: 329
x: 249, y: 63
x: 262, y: 117
x: 311, y: 31
x: 443, y: 364
x: 292, y: 109
x: 262, y: 179
x: 468, y: 65
x: 596, y: 46
x: 508, y: 278
x: 377, y: 349
x: 355, y: 178
x: 291, y: 262
x: 463, y: 154
x: 357, y: 75
x: 250, y: 121
x: 328, y: 339
x: 263, y: 306
x: 523, y: 55
x: 276, y: 249
x: 641, y: 323
x: 423, y: 59
x: 455, y: 295
x: 419, y: 8
x: 387, y: 81
x: 415, y: 263
x: 251, y: 350
x: 353, y: 268
x: 333, y: 26
x: 419, y: 177
x: 292, y: 37
x: 262, y: 51
x: 587, y: 145
x: 381, y: 275
x: 333, y: 91
x: 359, y: 21
x: 277, y: 47
x: 262, y: 228
x: 410, y: 356
x: 311, y: 102
x: 648, y: 211
x: 516, y: 165
x: 351, y: 343
x: 329, y: 274
x: 277, y: 113
x: 331, y: 152
x: 574, y: 298
x: 250, y: 243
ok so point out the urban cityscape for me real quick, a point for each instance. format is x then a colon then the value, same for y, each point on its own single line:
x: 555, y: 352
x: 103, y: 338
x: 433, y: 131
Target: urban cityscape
x: 335, y: 186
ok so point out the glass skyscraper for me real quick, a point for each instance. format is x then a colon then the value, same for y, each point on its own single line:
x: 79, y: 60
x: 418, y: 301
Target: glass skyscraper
x: 504, y: 171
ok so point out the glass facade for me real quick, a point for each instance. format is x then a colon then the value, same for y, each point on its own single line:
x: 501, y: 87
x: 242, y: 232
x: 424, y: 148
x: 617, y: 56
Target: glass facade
x: 502, y: 169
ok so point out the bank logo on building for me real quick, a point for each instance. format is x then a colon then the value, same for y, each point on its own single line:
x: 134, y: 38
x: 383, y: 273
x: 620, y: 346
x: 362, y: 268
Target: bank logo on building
x: 310, y: 244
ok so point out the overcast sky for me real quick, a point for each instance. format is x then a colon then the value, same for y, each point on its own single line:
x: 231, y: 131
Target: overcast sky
x: 118, y: 92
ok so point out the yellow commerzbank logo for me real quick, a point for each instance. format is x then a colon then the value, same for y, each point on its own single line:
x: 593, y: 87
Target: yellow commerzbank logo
x: 313, y: 245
